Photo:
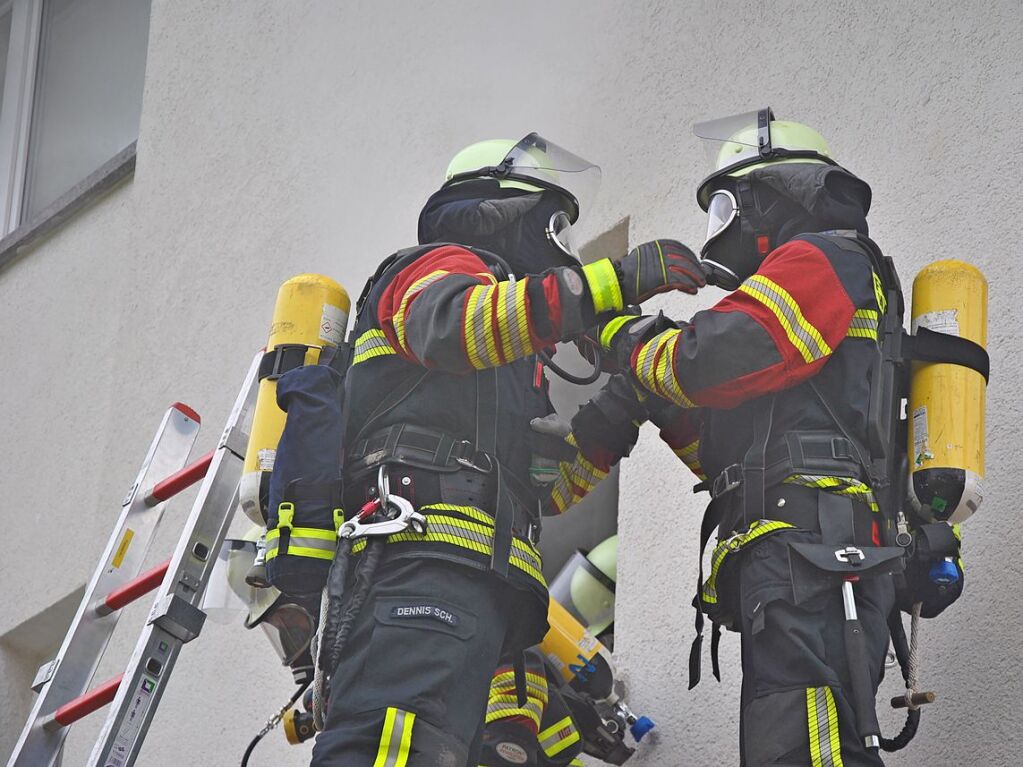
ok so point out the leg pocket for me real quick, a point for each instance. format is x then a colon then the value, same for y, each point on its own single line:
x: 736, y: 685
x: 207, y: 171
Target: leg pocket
x: 417, y: 653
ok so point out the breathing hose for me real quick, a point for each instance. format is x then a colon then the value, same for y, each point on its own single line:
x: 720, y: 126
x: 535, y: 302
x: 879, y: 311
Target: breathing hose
x: 273, y: 722
x: 589, y: 378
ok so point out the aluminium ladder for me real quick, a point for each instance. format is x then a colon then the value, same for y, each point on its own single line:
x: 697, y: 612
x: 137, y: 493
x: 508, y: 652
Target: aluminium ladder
x: 175, y: 618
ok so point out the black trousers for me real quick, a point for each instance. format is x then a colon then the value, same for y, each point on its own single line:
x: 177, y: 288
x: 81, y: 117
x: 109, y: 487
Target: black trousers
x: 411, y: 689
x: 796, y: 709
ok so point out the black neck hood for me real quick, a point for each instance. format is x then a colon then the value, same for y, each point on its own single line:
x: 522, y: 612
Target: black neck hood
x: 511, y: 223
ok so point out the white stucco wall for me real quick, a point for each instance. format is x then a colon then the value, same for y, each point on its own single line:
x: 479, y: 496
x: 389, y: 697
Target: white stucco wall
x: 286, y: 137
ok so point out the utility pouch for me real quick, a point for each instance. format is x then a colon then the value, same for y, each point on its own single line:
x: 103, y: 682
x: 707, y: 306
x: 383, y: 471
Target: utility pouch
x: 305, y: 489
x: 815, y: 563
x: 932, y: 544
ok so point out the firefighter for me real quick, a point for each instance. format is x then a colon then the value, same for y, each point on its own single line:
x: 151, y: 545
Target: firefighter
x: 769, y: 391
x: 443, y: 385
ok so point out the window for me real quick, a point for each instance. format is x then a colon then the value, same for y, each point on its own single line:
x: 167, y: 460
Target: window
x: 70, y: 97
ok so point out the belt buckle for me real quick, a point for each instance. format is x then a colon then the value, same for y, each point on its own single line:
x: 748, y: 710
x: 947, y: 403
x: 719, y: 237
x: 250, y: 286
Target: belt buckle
x: 727, y: 480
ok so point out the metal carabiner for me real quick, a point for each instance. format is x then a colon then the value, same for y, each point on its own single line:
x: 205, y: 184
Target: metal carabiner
x: 406, y: 516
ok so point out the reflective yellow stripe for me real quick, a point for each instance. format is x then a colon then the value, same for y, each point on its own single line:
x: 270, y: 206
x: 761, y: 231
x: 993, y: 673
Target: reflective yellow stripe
x: 473, y: 536
x: 838, y: 485
x: 758, y: 529
x: 656, y: 371
x: 689, y: 455
x: 822, y: 724
x: 372, y: 343
x: 605, y: 290
x: 879, y: 296
x: 395, y: 739
x: 511, y: 296
x: 310, y: 542
x: 417, y: 287
x: 864, y: 324
x: 480, y: 340
x: 801, y: 334
x: 611, y: 328
x: 580, y: 474
x: 558, y: 737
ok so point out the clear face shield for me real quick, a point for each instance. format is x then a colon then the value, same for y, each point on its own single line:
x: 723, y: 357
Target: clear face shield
x: 541, y: 163
x: 229, y: 599
x: 586, y: 592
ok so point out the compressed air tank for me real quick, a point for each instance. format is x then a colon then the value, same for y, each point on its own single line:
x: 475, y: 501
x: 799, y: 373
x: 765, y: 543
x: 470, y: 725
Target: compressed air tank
x: 946, y: 401
x: 312, y: 312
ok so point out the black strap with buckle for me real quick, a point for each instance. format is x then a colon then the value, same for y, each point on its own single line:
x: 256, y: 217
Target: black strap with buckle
x: 281, y: 359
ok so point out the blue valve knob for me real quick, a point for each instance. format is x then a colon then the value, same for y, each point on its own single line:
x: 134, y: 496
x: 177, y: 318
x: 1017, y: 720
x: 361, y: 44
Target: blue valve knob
x: 944, y: 573
x: 641, y: 727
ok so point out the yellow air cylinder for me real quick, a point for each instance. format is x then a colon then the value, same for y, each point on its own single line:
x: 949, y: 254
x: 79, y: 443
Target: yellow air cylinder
x: 946, y: 402
x: 311, y: 310
x: 582, y: 659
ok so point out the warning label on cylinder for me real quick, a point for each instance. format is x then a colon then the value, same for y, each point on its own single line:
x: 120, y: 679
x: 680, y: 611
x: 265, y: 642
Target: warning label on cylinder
x: 332, y: 325
x: 946, y: 321
x: 921, y: 439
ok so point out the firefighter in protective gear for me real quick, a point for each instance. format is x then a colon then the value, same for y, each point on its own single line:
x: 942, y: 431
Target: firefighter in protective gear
x: 443, y: 384
x: 769, y: 395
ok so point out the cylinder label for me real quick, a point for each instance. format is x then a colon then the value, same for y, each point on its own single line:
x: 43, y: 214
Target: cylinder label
x: 332, y: 324
x: 921, y: 439
x: 945, y: 321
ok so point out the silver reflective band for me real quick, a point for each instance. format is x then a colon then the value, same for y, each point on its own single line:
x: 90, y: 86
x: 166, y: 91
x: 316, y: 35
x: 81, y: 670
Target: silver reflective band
x: 722, y: 210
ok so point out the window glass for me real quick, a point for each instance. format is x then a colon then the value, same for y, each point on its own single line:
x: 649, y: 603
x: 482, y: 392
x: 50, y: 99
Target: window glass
x: 88, y: 92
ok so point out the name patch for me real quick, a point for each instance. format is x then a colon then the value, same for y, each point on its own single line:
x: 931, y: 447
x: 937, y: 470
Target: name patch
x: 426, y: 611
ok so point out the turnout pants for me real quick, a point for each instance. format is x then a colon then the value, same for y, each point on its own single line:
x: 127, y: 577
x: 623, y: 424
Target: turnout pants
x: 412, y: 686
x: 796, y: 710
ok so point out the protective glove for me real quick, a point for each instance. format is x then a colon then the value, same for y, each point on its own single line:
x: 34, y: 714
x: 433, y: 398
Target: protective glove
x: 549, y: 448
x: 651, y: 268
x: 657, y: 267
x: 618, y: 336
x: 606, y: 428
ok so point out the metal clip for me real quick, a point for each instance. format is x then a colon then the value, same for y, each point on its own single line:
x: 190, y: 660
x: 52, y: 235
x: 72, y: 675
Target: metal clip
x: 850, y: 555
x: 727, y: 480
x: 406, y: 515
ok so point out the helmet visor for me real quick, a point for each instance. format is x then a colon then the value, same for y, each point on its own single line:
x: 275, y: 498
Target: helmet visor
x: 541, y: 162
x: 290, y: 629
x: 586, y: 592
x: 721, y: 212
x: 228, y: 597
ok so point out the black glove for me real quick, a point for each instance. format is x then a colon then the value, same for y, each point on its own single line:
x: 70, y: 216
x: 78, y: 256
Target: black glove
x: 606, y: 427
x: 618, y: 337
x: 656, y: 267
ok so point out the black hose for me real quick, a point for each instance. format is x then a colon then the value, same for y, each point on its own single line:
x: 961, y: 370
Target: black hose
x: 273, y: 723
x: 901, y: 646
x: 571, y: 377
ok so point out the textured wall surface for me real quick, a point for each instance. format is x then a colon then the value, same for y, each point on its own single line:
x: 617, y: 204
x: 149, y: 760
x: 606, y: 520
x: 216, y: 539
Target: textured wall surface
x: 304, y: 136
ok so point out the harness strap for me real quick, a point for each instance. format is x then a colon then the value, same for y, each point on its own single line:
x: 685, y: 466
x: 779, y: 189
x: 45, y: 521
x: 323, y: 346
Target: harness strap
x: 754, y: 466
x: 711, y: 519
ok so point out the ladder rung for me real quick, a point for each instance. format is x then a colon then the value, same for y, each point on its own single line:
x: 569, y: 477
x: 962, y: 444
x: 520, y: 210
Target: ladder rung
x: 133, y: 589
x: 84, y: 705
x: 179, y: 480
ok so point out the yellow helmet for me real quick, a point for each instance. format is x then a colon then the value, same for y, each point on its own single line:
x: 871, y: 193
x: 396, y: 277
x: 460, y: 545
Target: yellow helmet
x: 533, y: 164
x: 751, y: 140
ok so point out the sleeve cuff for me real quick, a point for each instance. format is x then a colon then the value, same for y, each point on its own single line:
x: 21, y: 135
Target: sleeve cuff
x: 605, y: 290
